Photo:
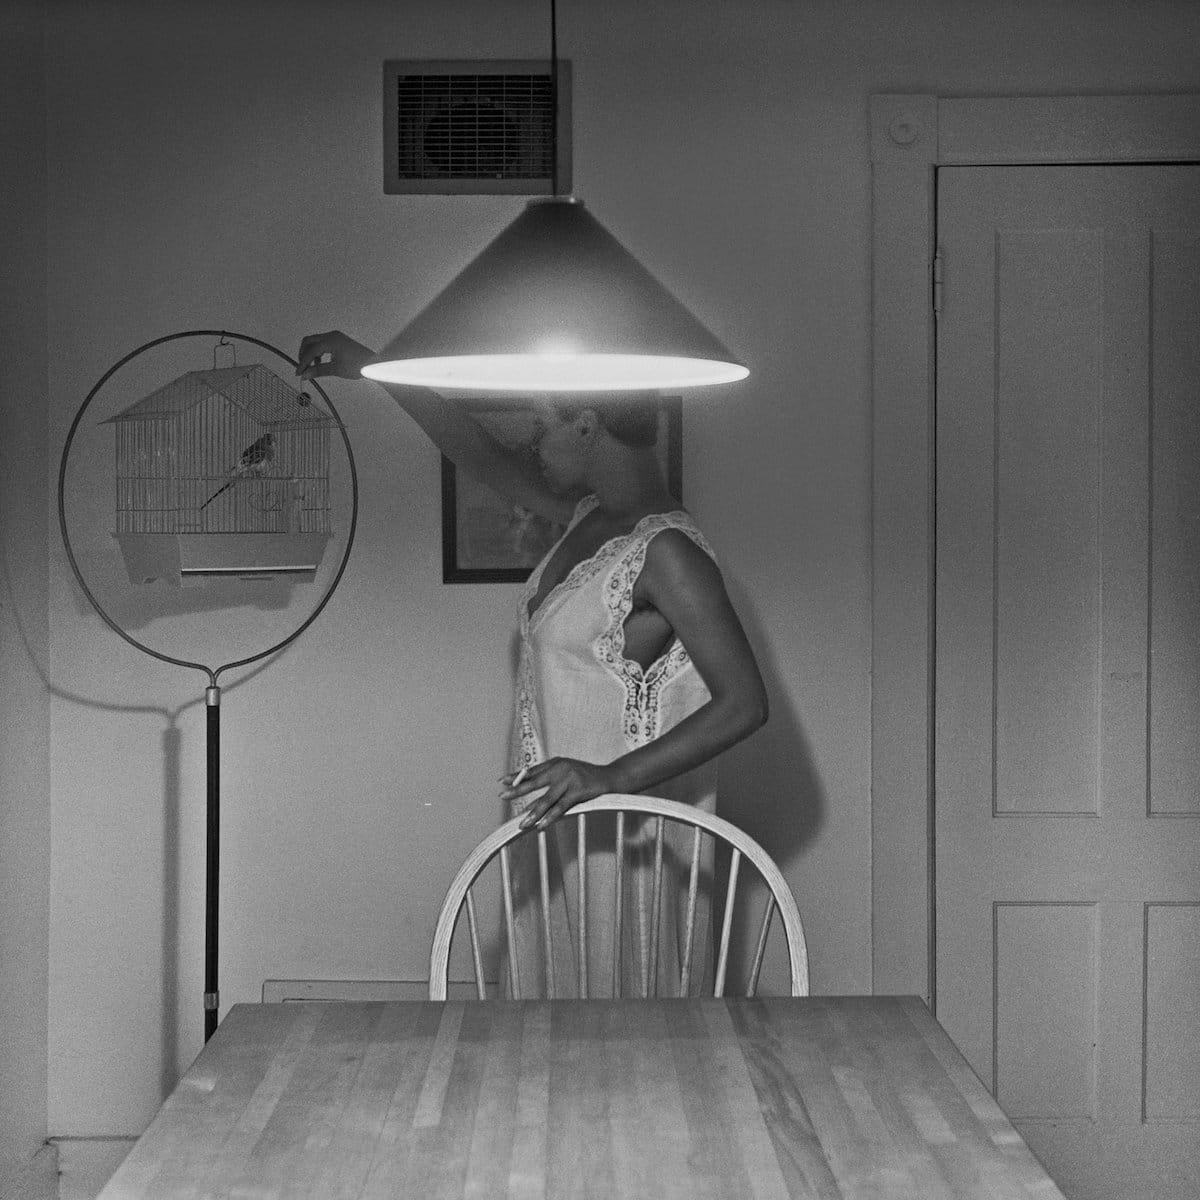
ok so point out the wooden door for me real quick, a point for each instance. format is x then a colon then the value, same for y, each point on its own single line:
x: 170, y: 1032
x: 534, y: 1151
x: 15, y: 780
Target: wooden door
x: 1067, y: 712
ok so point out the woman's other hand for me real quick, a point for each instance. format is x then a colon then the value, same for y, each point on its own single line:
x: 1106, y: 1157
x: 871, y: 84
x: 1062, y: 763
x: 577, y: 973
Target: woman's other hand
x: 563, y: 782
x: 346, y: 356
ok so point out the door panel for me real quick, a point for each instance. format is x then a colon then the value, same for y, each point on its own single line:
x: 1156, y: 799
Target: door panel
x: 1175, y: 578
x: 1046, y: 1068
x: 1067, y: 714
x: 1046, y: 538
x: 1172, y: 1013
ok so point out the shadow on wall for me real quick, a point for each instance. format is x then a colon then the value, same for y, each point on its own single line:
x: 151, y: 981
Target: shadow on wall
x: 769, y: 787
x: 136, y: 606
x: 170, y: 742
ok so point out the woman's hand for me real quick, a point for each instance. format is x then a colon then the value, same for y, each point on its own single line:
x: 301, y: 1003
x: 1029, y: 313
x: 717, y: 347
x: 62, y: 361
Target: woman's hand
x: 346, y: 356
x: 566, y: 782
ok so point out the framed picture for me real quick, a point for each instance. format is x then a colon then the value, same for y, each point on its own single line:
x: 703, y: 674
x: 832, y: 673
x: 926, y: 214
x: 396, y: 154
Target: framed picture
x: 485, y: 539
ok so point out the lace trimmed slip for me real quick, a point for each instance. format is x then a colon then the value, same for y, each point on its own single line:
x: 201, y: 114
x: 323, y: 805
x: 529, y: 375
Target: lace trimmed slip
x: 578, y: 696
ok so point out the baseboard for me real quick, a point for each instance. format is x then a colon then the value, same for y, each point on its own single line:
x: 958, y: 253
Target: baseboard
x: 86, y: 1164
x: 277, y: 991
x: 36, y: 1179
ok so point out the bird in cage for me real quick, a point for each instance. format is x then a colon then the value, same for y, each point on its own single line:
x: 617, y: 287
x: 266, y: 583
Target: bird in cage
x: 254, y: 461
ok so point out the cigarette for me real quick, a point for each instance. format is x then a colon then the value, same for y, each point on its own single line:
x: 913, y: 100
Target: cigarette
x: 519, y: 776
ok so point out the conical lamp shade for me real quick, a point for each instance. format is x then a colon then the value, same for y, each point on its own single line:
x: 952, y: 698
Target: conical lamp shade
x: 556, y: 304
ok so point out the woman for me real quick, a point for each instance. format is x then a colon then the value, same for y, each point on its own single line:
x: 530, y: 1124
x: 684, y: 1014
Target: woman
x: 635, y: 671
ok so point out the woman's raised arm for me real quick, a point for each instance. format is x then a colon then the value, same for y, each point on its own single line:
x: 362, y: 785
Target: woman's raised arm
x: 448, y: 424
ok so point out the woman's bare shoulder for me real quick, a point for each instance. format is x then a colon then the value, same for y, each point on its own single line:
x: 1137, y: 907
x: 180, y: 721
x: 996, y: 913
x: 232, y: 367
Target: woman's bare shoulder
x: 678, y: 556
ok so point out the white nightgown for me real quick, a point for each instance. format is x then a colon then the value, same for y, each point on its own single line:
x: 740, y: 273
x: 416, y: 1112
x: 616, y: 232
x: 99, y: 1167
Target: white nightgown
x: 578, y: 696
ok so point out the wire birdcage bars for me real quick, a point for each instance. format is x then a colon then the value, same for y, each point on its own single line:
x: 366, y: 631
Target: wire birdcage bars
x: 226, y: 453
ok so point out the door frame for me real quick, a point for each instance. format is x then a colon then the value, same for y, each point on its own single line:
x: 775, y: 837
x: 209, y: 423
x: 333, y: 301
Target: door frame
x: 911, y: 136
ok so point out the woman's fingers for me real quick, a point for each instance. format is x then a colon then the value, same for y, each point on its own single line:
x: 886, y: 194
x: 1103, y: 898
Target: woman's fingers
x: 558, y: 809
x: 536, y: 813
x: 345, y: 356
x: 537, y: 804
x: 312, y: 350
x: 538, y: 784
x: 553, y: 788
x: 526, y: 780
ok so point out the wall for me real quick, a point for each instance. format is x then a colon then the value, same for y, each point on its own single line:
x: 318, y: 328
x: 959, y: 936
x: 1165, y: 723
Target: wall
x: 24, y: 701
x: 218, y: 165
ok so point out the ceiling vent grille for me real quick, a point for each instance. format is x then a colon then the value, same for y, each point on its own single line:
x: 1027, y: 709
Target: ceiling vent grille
x: 475, y: 127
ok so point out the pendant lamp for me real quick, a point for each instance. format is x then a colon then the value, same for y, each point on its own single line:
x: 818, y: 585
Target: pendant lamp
x: 555, y: 303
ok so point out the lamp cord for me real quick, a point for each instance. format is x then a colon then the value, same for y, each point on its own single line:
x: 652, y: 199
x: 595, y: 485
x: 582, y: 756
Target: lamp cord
x: 554, y: 93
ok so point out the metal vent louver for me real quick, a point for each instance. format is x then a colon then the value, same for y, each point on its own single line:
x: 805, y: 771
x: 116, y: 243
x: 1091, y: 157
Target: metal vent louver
x: 475, y: 127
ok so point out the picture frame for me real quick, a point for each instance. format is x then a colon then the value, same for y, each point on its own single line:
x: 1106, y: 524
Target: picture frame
x: 485, y: 539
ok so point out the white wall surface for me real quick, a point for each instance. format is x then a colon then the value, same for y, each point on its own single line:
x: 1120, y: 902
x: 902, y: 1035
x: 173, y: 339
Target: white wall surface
x: 218, y: 165
x: 24, y: 699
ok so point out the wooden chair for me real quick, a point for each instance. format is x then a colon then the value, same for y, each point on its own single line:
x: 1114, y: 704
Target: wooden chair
x: 498, y: 843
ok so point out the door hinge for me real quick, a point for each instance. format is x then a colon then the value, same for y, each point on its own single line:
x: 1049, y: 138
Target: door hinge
x: 936, y: 278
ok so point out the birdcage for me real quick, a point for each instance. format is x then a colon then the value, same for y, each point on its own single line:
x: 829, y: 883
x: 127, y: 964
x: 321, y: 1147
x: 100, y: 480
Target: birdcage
x: 222, y: 473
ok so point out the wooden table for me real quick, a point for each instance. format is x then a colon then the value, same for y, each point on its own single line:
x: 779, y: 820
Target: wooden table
x: 834, y: 1098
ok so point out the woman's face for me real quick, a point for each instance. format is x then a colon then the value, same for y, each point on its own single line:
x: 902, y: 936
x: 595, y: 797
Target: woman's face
x: 562, y: 445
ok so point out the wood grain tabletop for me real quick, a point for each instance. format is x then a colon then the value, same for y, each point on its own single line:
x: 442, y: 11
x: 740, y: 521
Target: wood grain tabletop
x: 829, y: 1098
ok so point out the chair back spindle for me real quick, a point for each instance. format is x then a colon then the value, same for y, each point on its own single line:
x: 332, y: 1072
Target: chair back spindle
x: 760, y: 948
x: 727, y: 924
x: 618, y: 901
x: 685, y: 970
x: 547, y: 940
x: 514, y: 979
x: 476, y: 953
x: 582, y: 859
x: 656, y: 904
